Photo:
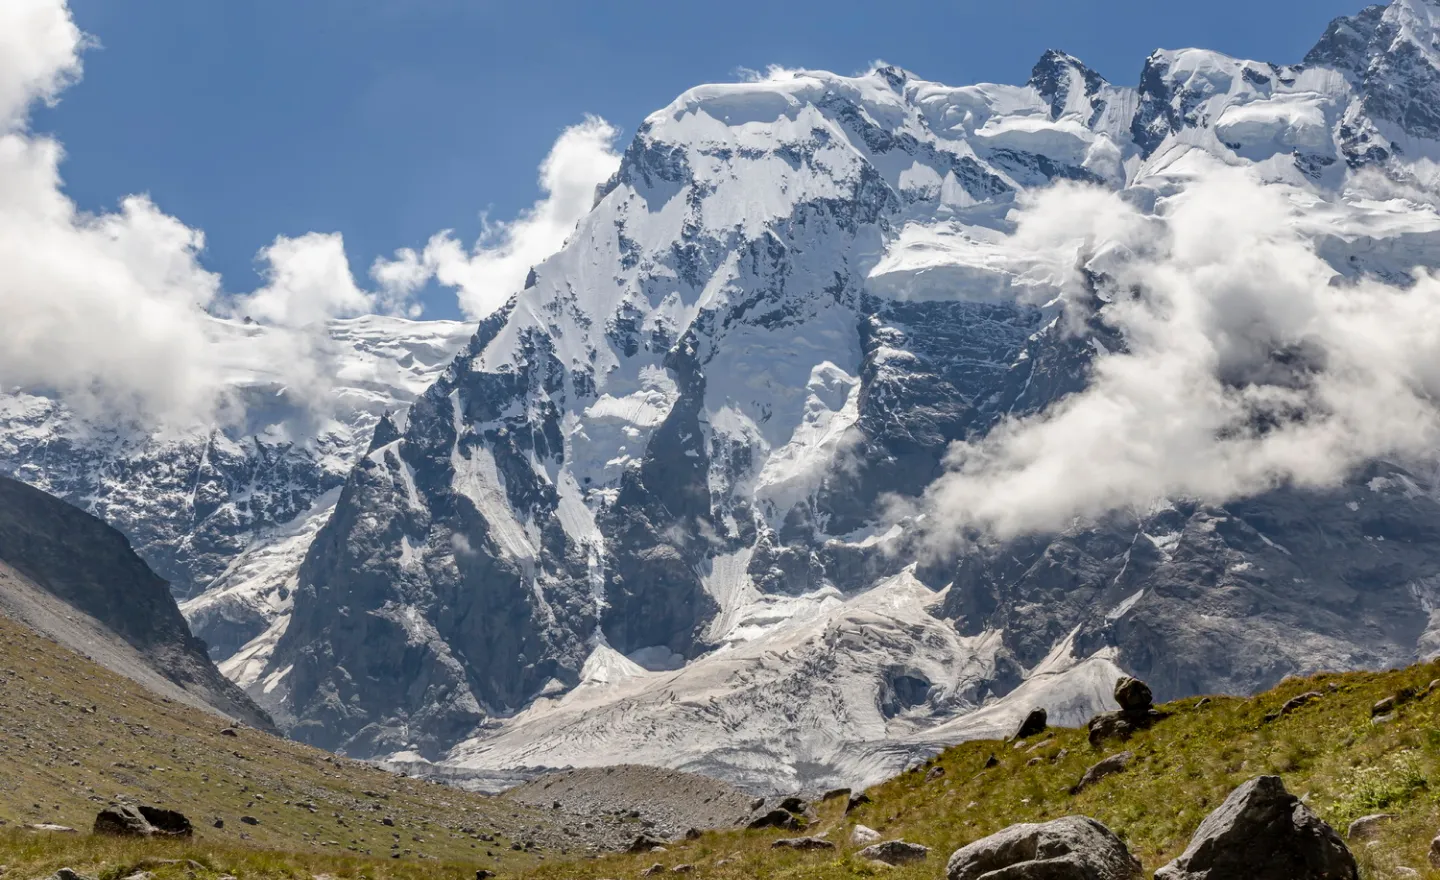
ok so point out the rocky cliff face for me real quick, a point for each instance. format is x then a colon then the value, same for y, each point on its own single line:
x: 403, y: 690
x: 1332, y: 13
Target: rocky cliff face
x: 71, y: 577
x: 644, y: 514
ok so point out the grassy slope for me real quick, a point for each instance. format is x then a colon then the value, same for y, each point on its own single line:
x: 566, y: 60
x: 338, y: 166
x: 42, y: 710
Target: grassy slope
x: 1328, y: 751
x: 74, y: 736
x: 139, y: 745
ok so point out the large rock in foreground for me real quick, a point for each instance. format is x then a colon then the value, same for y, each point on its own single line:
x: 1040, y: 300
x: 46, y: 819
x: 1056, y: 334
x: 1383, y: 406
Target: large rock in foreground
x: 125, y: 820
x: 1262, y: 832
x: 1072, y: 848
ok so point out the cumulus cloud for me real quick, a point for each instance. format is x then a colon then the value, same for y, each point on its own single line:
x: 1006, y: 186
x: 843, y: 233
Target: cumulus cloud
x: 114, y: 312
x: 486, y: 275
x: 1248, y: 364
x: 39, y: 55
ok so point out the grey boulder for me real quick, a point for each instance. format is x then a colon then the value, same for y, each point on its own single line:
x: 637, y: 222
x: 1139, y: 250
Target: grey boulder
x: 1108, y: 767
x: 895, y: 852
x: 1133, y: 695
x: 1262, y: 832
x: 1072, y: 848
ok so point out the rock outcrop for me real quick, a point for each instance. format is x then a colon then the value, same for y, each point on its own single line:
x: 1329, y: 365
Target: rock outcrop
x: 126, y: 820
x: 895, y: 852
x: 1262, y: 832
x: 1073, y: 847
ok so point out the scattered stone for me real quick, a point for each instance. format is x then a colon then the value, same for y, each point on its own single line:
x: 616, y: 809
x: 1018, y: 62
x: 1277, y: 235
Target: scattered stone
x: 776, y: 819
x: 1402, y: 871
x: 860, y: 835
x: 793, y: 805
x: 992, y: 761
x: 757, y: 804
x: 1435, y: 852
x: 1121, y: 725
x: 1292, y: 704
x: 895, y: 852
x: 1262, y: 832
x: 1133, y: 695
x: 934, y: 774
x: 802, y: 843
x: 49, y: 827
x: 644, y: 843
x: 218, y: 823
x: 388, y: 822
x: 682, y: 869
x: 1108, y: 767
x: 1366, y: 827
x: 1384, y: 707
x: 68, y: 874
x: 858, y: 799
x: 835, y: 793
x: 1382, y: 719
x: 483, y: 874
x: 1041, y: 744
x: 1034, y: 723
x: 1072, y: 848
x: 1204, y: 701
x: 249, y: 820
x: 229, y: 731
x: 692, y: 834
x: 654, y: 869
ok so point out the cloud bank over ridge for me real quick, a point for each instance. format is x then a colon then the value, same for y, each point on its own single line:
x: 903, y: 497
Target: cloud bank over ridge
x: 1249, y: 363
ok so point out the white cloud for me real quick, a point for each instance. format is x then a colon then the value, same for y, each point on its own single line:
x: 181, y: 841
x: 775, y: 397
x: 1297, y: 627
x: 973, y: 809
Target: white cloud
x: 113, y: 312
x: 486, y: 276
x: 307, y: 283
x: 1248, y: 365
x: 39, y: 55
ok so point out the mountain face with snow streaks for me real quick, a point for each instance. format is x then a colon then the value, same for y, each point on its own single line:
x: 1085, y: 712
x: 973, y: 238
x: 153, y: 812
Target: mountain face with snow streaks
x: 225, y: 512
x: 656, y: 509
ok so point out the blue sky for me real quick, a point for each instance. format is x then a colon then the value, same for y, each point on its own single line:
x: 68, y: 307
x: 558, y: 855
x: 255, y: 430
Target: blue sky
x: 388, y: 120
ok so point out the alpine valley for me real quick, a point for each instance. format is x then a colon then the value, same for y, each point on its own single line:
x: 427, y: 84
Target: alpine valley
x: 647, y: 512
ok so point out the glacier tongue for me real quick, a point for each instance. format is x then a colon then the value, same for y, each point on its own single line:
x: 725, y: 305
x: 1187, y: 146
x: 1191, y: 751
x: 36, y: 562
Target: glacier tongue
x: 794, y: 706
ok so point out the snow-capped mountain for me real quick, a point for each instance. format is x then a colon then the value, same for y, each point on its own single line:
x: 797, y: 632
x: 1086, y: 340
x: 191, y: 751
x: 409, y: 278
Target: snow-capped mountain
x: 649, y: 512
x: 224, y: 512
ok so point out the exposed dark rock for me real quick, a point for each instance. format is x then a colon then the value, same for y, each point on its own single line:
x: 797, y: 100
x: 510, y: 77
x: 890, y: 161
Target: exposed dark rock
x: 804, y: 843
x: 1108, y: 767
x: 1035, y: 722
x: 1072, y: 848
x: 1133, y: 695
x: 1262, y: 832
x: 794, y: 805
x: 858, y: 799
x: 1121, y: 725
x: 776, y: 819
x: 895, y: 852
x: 125, y: 820
x: 1294, y: 703
x: 643, y: 844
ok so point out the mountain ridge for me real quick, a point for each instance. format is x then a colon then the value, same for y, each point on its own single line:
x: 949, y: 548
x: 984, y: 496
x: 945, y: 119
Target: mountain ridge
x: 659, y: 485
